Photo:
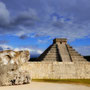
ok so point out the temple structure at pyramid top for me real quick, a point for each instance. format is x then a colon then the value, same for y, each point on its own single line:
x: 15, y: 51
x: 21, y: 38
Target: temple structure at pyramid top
x: 62, y: 52
x: 60, y: 40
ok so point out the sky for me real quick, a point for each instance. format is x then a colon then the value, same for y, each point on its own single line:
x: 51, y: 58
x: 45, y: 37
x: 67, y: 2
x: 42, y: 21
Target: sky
x: 33, y: 24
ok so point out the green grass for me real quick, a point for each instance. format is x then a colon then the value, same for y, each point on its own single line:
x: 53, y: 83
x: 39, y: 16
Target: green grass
x: 70, y: 81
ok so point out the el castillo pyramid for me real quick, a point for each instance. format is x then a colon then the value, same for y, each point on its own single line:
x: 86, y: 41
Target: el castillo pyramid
x: 62, y: 52
x: 60, y: 61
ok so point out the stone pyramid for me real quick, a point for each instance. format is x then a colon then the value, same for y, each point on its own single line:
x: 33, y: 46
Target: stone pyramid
x: 62, y: 52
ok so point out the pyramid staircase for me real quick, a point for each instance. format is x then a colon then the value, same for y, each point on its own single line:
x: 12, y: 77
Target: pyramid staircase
x: 61, y: 51
x: 50, y: 54
x: 75, y: 56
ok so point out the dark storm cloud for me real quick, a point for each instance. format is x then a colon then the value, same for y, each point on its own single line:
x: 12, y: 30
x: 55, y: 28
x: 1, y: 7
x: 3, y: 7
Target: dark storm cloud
x: 10, y: 25
x: 27, y: 18
x: 46, y: 18
x: 23, y: 37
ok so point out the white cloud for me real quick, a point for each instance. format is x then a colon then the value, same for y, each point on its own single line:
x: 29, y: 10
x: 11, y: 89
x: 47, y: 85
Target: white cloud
x: 4, y: 14
x: 43, y: 41
x: 39, y: 51
x: 33, y: 51
x: 5, y: 47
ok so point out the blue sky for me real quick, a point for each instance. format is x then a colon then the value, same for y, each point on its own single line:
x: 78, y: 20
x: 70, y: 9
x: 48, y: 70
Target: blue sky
x: 33, y: 24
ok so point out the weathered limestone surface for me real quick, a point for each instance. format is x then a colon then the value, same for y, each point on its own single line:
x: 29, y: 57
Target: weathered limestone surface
x: 59, y: 70
x: 11, y: 63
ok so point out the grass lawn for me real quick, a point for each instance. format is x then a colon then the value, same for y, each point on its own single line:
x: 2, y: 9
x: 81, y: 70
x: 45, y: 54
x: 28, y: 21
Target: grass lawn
x: 72, y: 81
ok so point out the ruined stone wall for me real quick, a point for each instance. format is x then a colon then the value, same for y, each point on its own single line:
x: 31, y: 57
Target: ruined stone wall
x: 11, y: 63
x: 58, y: 70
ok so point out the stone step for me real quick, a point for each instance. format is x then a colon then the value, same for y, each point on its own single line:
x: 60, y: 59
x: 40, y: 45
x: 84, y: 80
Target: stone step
x: 77, y: 56
x: 53, y: 46
x: 74, y: 54
x: 79, y: 59
x: 51, y: 56
x: 52, y: 51
x: 51, y: 59
x: 73, y: 51
x: 69, y: 46
x: 70, y: 49
x: 54, y: 55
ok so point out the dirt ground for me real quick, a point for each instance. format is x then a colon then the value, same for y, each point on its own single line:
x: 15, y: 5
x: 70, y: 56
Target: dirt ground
x: 46, y: 86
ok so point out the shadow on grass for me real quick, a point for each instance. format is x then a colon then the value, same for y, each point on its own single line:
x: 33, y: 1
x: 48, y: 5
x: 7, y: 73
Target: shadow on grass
x: 68, y: 81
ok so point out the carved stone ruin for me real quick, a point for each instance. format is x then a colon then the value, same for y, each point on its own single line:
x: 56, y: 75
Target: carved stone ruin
x: 11, y: 63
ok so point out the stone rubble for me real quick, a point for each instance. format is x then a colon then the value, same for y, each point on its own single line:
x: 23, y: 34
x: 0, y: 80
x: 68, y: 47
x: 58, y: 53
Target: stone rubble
x: 11, y: 72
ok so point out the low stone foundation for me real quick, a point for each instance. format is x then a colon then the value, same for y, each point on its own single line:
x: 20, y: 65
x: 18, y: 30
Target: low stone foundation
x: 58, y: 70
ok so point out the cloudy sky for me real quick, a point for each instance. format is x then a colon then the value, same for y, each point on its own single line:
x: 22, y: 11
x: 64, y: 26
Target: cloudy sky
x: 33, y: 24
